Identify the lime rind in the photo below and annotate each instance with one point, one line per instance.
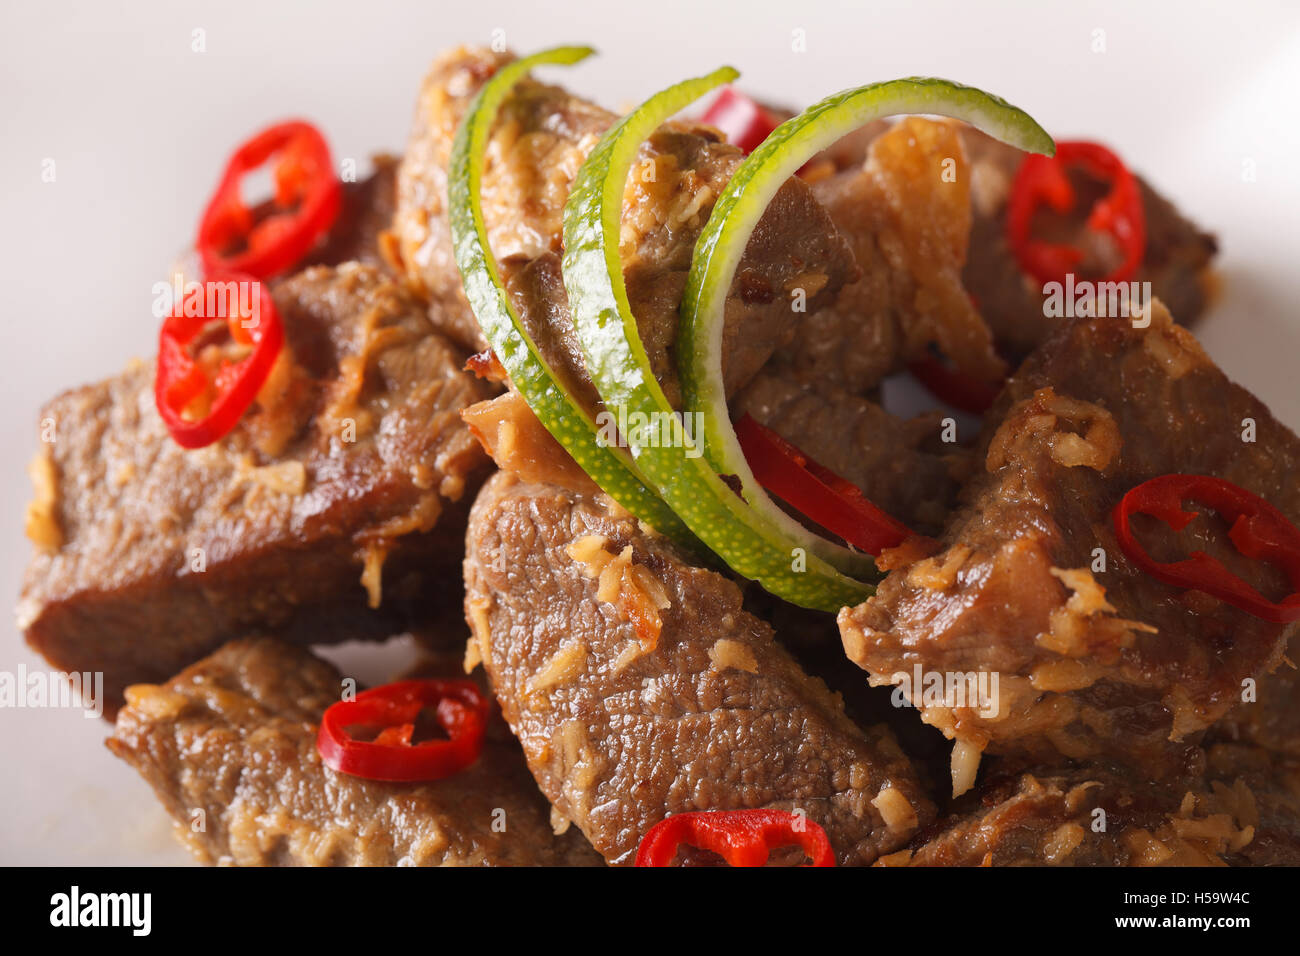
(746, 197)
(557, 408)
(620, 368)
(751, 533)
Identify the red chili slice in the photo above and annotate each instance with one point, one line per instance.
(745, 122)
(741, 837)
(306, 202)
(202, 395)
(815, 491)
(1043, 180)
(1257, 530)
(391, 711)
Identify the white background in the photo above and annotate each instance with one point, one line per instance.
(139, 125)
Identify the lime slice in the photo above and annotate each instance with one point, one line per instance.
(740, 207)
(759, 548)
(554, 405)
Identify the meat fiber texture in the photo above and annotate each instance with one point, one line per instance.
(1095, 657)
(1176, 259)
(334, 510)
(639, 687)
(905, 209)
(1244, 809)
(540, 141)
(229, 747)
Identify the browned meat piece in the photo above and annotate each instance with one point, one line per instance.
(1090, 662)
(1243, 812)
(879, 323)
(814, 640)
(230, 744)
(639, 687)
(343, 492)
(906, 214)
(796, 246)
(1176, 260)
(367, 212)
(894, 462)
(1272, 718)
(544, 175)
(1046, 817)
(1273, 806)
(509, 431)
(539, 144)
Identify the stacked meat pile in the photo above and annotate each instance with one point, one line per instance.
(634, 679)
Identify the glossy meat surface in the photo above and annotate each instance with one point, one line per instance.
(150, 556)
(1095, 657)
(639, 687)
(229, 746)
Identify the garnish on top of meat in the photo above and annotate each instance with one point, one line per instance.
(230, 743)
(1096, 657)
(638, 682)
(537, 146)
(1175, 259)
(333, 512)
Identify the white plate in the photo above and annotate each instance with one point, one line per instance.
(138, 124)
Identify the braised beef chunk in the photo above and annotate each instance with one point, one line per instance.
(1273, 779)
(1268, 714)
(813, 638)
(366, 213)
(539, 143)
(532, 155)
(905, 211)
(334, 510)
(231, 741)
(879, 316)
(639, 687)
(896, 463)
(1175, 261)
(1241, 810)
(1094, 656)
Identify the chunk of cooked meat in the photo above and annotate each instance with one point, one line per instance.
(343, 493)
(547, 162)
(365, 215)
(639, 687)
(229, 747)
(509, 431)
(1242, 811)
(896, 463)
(905, 211)
(1273, 780)
(1094, 656)
(878, 314)
(1176, 259)
(1268, 716)
(539, 143)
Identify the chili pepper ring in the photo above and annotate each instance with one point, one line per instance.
(1257, 530)
(393, 709)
